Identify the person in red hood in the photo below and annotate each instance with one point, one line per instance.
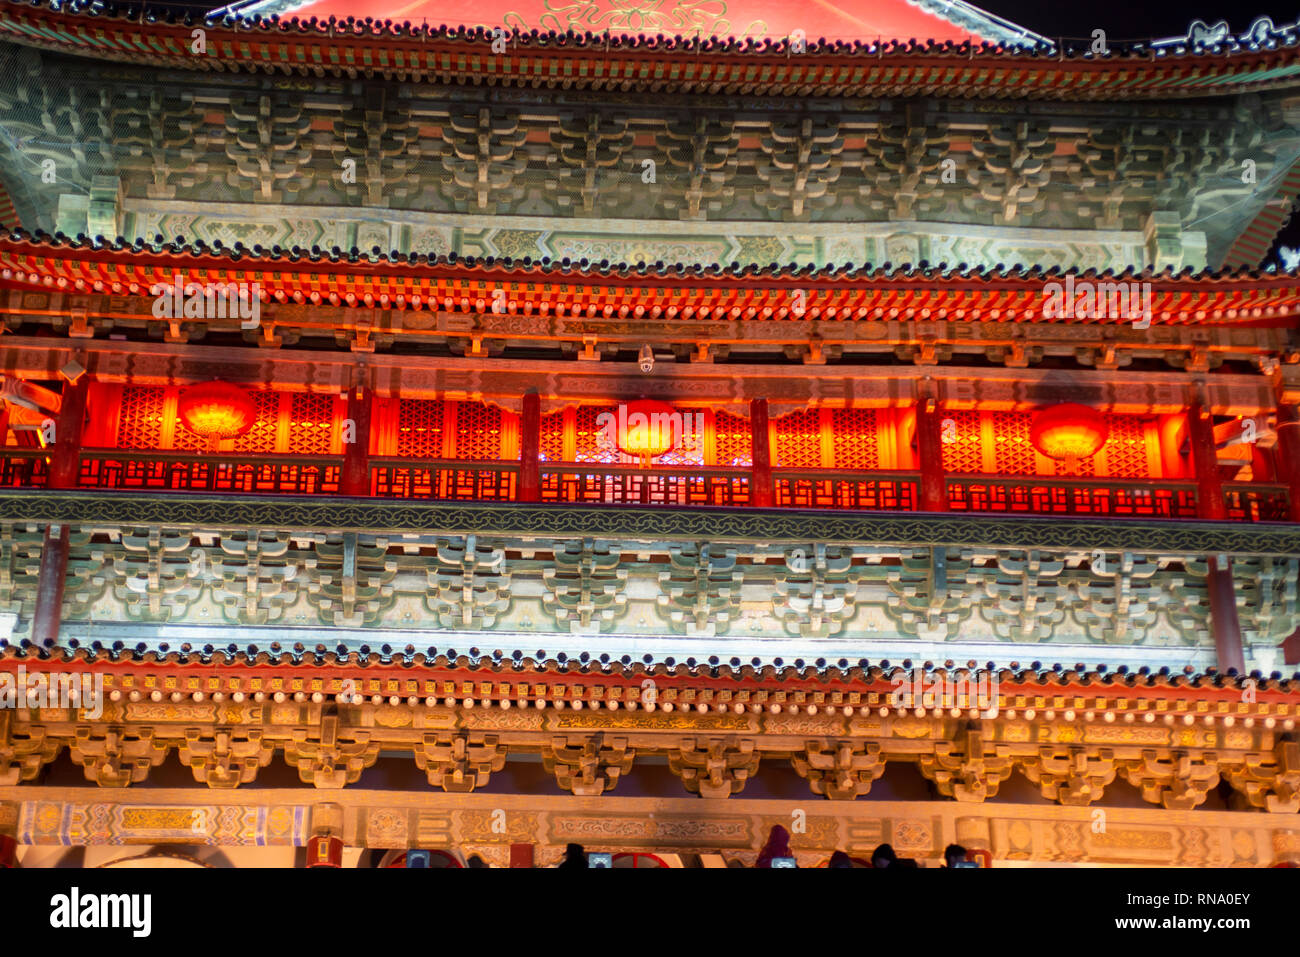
(778, 845)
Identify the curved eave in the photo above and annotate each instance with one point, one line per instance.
(1253, 244)
(467, 285)
(570, 679)
(598, 62)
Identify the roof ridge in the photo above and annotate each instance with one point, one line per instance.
(1119, 52)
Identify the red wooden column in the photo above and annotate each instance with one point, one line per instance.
(1288, 453)
(929, 449)
(530, 448)
(762, 493)
(355, 479)
(1210, 505)
(1205, 463)
(49, 586)
(65, 467)
(1223, 615)
(65, 459)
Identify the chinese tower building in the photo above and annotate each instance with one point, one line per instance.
(476, 428)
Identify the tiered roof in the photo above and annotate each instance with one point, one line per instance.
(451, 283)
(485, 677)
(868, 19)
(867, 67)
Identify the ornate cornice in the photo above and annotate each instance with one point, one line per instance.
(89, 508)
(1071, 736)
(65, 818)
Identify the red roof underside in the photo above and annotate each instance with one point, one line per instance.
(832, 19)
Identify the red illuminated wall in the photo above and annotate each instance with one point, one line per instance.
(299, 423)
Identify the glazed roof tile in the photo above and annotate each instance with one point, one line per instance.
(454, 283)
(408, 663)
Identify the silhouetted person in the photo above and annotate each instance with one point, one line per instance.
(574, 856)
(778, 845)
(475, 861)
(952, 854)
(883, 856)
(840, 859)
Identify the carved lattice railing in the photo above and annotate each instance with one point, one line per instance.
(443, 479)
(688, 486)
(24, 468)
(1063, 496)
(821, 488)
(218, 472)
(630, 485)
(1247, 502)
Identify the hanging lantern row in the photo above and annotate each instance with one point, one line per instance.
(219, 410)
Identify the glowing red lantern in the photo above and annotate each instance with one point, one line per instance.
(1069, 431)
(647, 428)
(217, 410)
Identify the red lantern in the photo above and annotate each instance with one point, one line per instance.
(647, 428)
(1069, 431)
(217, 410)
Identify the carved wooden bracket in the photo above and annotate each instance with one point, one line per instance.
(716, 767)
(588, 766)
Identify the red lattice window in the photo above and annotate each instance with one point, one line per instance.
(962, 450)
(1013, 449)
(420, 428)
(588, 446)
(733, 441)
(311, 423)
(857, 439)
(799, 440)
(1126, 447)
(478, 431)
(261, 437)
(689, 435)
(552, 441)
(140, 422)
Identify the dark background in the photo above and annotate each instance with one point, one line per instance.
(1121, 19)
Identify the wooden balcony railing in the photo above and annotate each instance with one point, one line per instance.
(1248, 502)
(600, 484)
(443, 479)
(630, 485)
(877, 491)
(201, 472)
(24, 468)
(1069, 496)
